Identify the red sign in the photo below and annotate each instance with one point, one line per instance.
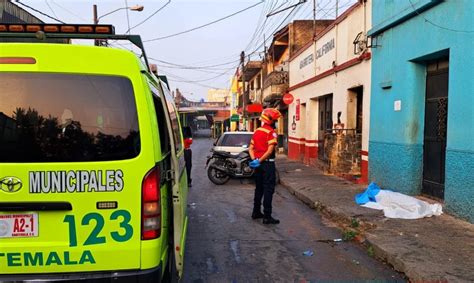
(288, 98)
(297, 114)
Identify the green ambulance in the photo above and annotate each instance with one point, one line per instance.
(93, 183)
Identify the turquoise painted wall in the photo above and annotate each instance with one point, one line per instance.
(406, 39)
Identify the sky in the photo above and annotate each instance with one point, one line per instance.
(203, 58)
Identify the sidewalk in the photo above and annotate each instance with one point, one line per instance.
(436, 248)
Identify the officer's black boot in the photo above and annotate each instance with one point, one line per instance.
(257, 215)
(270, 220)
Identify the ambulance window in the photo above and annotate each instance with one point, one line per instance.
(162, 127)
(46, 117)
(174, 120)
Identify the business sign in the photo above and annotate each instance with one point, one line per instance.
(297, 114)
(323, 50)
(288, 98)
(306, 61)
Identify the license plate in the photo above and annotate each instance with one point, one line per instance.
(19, 225)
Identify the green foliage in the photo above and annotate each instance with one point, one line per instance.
(349, 235)
(354, 223)
(370, 251)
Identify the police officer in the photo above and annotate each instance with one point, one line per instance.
(262, 152)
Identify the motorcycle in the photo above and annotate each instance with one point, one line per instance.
(222, 165)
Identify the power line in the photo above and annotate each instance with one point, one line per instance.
(257, 27)
(275, 30)
(435, 24)
(196, 67)
(49, 6)
(149, 17)
(69, 11)
(38, 11)
(128, 17)
(205, 25)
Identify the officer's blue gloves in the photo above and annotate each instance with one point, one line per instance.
(254, 163)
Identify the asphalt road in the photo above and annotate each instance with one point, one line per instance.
(225, 245)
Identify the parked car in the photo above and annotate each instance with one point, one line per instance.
(233, 142)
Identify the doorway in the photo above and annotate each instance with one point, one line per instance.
(436, 122)
(355, 109)
(325, 122)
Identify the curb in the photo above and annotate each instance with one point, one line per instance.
(343, 223)
(341, 219)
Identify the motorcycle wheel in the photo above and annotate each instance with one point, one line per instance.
(217, 177)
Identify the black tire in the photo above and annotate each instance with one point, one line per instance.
(216, 176)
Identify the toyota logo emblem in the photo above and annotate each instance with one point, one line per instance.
(10, 184)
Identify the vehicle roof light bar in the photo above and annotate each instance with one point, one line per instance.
(69, 31)
(90, 29)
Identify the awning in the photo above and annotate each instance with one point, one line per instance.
(252, 108)
(273, 100)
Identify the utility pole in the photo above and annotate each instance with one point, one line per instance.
(96, 21)
(314, 19)
(242, 61)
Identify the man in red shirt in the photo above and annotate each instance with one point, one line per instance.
(262, 152)
(188, 153)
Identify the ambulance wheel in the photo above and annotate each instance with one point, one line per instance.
(217, 177)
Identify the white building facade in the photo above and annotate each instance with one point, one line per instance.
(330, 81)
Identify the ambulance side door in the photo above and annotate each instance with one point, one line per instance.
(179, 183)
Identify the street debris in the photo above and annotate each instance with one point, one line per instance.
(396, 205)
(308, 253)
(328, 241)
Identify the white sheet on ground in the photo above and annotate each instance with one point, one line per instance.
(397, 205)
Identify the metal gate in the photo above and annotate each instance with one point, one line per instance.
(436, 122)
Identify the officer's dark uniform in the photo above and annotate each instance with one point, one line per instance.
(264, 174)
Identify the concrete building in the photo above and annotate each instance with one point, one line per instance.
(275, 69)
(422, 110)
(328, 121)
(13, 14)
(253, 95)
(218, 95)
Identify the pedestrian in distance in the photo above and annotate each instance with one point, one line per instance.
(188, 153)
(262, 152)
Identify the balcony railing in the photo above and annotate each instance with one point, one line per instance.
(256, 95)
(276, 78)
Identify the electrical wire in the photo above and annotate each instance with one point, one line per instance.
(49, 6)
(197, 67)
(259, 22)
(128, 17)
(69, 11)
(205, 25)
(149, 17)
(435, 24)
(38, 11)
